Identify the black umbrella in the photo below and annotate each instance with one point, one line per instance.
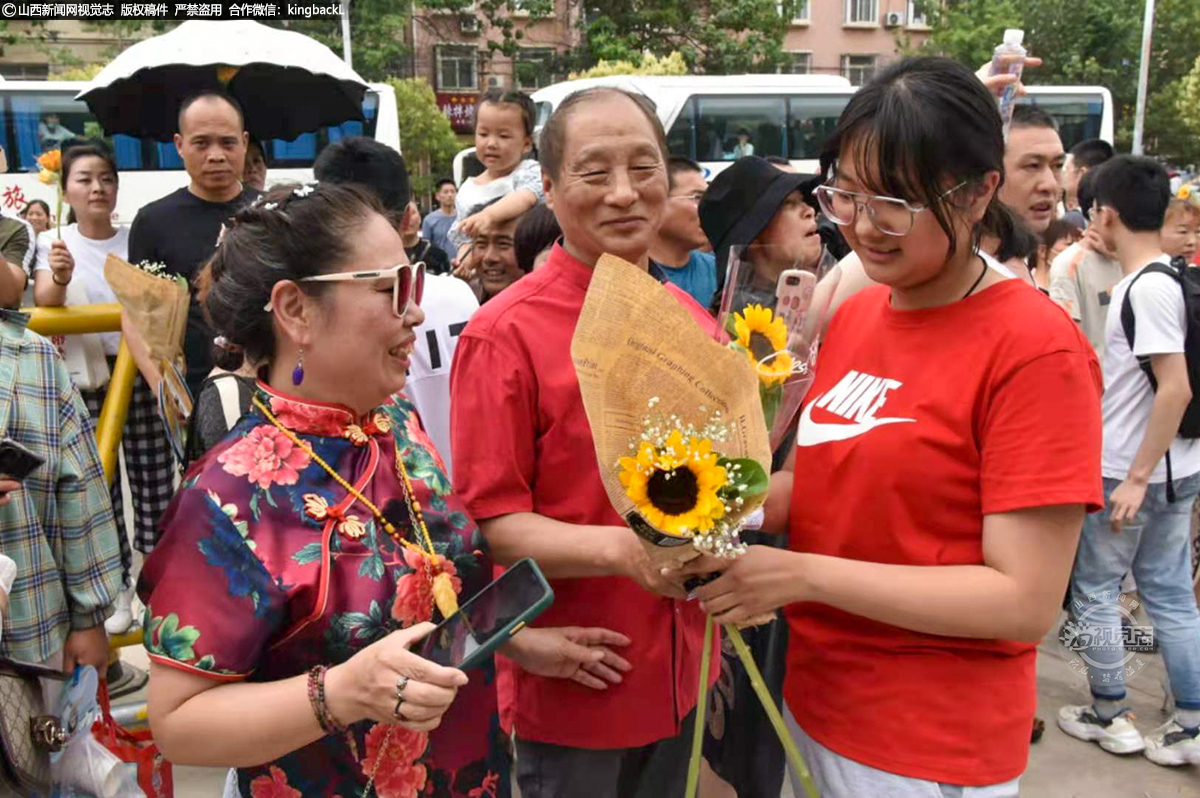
(287, 83)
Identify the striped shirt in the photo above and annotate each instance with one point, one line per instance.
(59, 526)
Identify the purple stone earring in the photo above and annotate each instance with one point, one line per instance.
(298, 372)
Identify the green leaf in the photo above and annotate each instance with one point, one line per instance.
(731, 325)
(174, 641)
(372, 567)
(309, 554)
(206, 663)
(254, 506)
(749, 474)
(771, 399)
(270, 498)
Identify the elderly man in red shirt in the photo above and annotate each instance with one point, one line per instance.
(526, 466)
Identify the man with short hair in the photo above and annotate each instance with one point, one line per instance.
(448, 302)
(681, 241)
(436, 226)
(181, 229)
(494, 254)
(1082, 277)
(1033, 166)
(1085, 155)
(1151, 478)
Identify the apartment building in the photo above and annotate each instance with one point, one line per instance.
(451, 51)
(852, 38)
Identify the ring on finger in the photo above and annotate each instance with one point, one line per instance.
(400, 685)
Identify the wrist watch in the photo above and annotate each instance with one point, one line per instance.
(54, 277)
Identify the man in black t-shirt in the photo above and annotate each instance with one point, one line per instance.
(181, 229)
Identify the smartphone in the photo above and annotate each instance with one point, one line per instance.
(17, 462)
(794, 293)
(468, 637)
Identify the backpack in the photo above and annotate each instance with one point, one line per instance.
(1189, 282)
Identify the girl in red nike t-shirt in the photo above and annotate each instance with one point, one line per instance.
(946, 455)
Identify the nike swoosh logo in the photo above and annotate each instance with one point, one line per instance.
(812, 433)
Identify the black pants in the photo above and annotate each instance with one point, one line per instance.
(149, 463)
(658, 770)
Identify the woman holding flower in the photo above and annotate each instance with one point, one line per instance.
(933, 512)
(70, 271)
(307, 551)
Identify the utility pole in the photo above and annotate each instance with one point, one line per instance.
(1139, 119)
(346, 32)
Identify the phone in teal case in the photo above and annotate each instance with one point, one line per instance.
(485, 622)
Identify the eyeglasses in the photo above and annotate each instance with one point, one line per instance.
(696, 197)
(408, 283)
(890, 215)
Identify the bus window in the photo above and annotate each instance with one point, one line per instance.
(811, 120)
(681, 138)
(722, 121)
(32, 122)
(1078, 115)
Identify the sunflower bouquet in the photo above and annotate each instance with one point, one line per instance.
(774, 310)
(677, 421)
(675, 416)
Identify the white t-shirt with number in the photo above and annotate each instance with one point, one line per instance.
(448, 304)
(1160, 329)
(89, 255)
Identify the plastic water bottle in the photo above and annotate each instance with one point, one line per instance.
(1009, 58)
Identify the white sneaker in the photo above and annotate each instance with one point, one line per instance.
(1118, 736)
(120, 621)
(1172, 744)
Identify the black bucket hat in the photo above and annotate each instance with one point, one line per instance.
(742, 200)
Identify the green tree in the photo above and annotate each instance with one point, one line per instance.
(1187, 100)
(1092, 43)
(672, 64)
(426, 138)
(378, 49)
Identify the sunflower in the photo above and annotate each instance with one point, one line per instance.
(763, 335)
(675, 486)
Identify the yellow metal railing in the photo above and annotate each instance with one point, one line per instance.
(95, 319)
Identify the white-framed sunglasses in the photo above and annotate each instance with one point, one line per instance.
(408, 283)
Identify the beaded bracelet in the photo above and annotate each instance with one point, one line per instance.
(316, 697)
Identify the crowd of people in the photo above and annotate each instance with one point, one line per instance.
(386, 404)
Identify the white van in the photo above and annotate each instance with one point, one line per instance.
(149, 169)
(784, 115)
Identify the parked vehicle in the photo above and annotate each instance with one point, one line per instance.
(784, 115)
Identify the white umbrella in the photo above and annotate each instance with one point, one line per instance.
(287, 83)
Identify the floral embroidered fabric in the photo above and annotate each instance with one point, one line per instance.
(268, 567)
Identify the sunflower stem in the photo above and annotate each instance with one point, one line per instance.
(768, 704)
(693, 776)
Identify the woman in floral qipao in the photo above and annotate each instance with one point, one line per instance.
(296, 568)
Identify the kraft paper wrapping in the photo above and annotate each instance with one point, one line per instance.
(635, 341)
(157, 307)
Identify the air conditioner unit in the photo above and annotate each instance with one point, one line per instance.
(495, 81)
(469, 23)
(893, 19)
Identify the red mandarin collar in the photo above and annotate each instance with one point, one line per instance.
(310, 417)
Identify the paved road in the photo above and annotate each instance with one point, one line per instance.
(1059, 766)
